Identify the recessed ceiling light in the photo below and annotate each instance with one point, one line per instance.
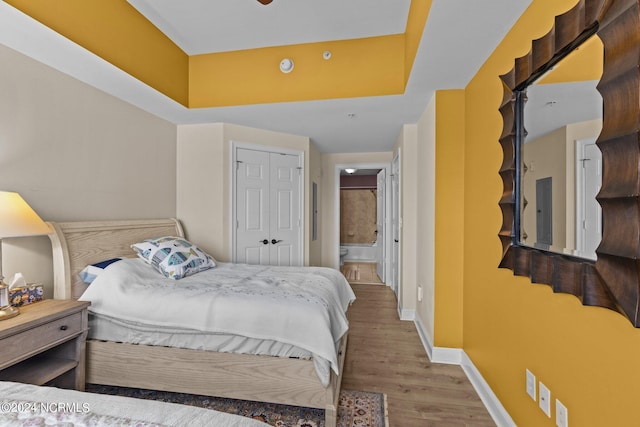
(286, 65)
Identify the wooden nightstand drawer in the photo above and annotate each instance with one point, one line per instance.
(37, 339)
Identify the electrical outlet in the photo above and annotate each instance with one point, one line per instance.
(545, 399)
(562, 415)
(531, 385)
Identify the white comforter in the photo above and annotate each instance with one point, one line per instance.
(301, 306)
(29, 405)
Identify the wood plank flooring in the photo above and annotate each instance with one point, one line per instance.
(386, 355)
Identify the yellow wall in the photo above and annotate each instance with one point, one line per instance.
(449, 214)
(116, 32)
(359, 67)
(587, 356)
(418, 14)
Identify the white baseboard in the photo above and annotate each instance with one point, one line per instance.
(406, 314)
(450, 356)
(426, 341)
(457, 356)
(490, 400)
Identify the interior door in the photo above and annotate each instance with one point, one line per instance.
(252, 207)
(268, 208)
(285, 213)
(380, 225)
(589, 212)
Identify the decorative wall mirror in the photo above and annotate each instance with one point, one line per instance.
(609, 278)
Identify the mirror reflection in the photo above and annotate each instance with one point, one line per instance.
(561, 164)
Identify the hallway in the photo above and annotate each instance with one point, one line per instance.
(386, 355)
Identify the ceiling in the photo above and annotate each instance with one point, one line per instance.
(458, 37)
(552, 106)
(206, 26)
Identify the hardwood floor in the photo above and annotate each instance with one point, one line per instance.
(386, 355)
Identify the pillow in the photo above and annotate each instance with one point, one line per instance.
(174, 257)
(90, 272)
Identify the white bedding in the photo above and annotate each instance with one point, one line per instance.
(29, 405)
(107, 329)
(302, 306)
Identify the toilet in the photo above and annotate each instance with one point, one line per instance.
(343, 253)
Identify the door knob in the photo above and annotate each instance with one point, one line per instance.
(274, 241)
(264, 242)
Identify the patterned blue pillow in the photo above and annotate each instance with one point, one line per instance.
(174, 257)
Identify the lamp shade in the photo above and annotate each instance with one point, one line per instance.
(17, 219)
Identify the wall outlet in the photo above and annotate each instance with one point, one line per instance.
(531, 385)
(562, 415)
(545, 399)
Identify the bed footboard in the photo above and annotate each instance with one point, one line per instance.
(237, 376)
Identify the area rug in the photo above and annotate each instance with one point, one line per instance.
(355, 408)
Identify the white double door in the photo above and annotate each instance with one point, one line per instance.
(268, 208)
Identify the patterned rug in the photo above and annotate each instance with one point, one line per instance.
(355, 408)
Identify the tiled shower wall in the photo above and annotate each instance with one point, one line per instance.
(358, 216)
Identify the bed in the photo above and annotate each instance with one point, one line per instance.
(284, 380)
(26, 404)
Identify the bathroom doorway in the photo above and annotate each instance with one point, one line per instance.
(362, 216)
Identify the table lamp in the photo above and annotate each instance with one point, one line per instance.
(17, 219)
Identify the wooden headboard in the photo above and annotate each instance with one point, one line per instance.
(78, 244)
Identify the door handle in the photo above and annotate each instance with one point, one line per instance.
(274, 241)
(396, 240)
(264, 242)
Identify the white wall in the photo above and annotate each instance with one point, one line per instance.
(76, 153)
(426, 176)
(408, 144)
(204, 180)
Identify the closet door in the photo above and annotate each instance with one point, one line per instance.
(285, 209)
(252, 207)
(268, 212)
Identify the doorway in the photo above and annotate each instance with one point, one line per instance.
(362, 221)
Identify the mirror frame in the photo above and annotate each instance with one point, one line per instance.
(613, 280)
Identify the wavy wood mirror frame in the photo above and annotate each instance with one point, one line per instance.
(613, 281)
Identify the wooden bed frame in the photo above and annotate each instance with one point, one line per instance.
(239, 376)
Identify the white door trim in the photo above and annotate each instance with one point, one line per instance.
(336, 211)
(235, 145)
(580, 195)
(395, 198)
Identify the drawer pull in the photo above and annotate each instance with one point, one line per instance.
(63, 327)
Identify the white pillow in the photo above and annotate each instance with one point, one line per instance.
(174, 257)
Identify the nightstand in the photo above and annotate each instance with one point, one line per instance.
(45, 344)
